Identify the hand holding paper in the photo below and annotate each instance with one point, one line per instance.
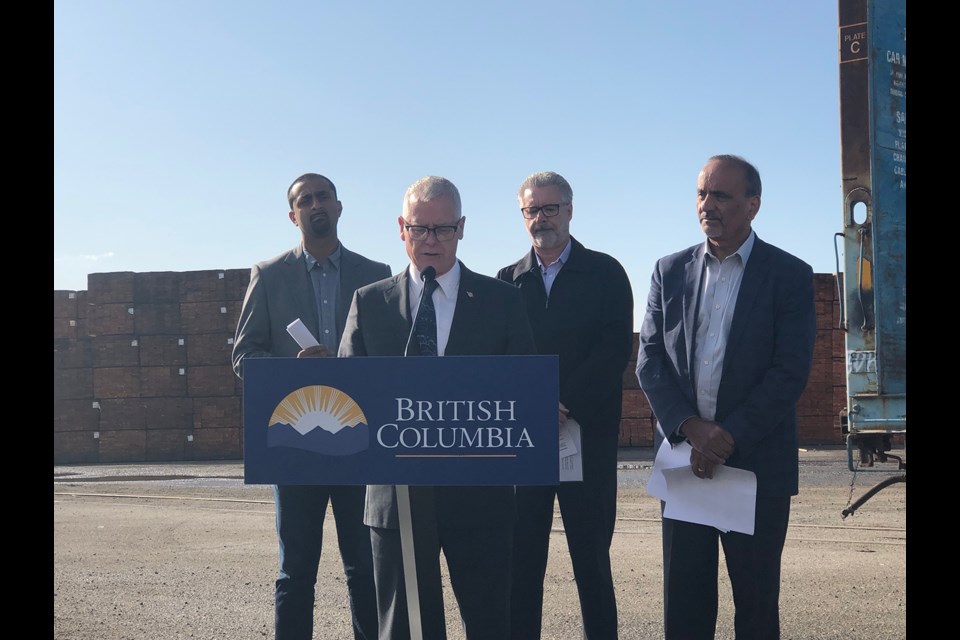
(709, 438)
(299, 332)
(727, 501)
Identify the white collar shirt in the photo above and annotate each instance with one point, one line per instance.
(718, 300)
(550, 271)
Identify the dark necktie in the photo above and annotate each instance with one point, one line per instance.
(425, 330)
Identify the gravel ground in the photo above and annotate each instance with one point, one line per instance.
(186, 550)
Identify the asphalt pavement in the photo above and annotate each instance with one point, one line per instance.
(187, 550)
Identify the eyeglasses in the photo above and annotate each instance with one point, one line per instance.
(549, 210)
(442, 232)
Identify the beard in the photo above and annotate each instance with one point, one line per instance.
(320, 226)
(545, 238)
(713, 230)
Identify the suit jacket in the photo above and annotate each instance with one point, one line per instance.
(280, 291)
(488, 320)
(588, 322)
(765, 365)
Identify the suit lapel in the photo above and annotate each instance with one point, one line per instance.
(350, 281)
(397, 298)
(304, 300)
(750, 285)
(466, 309)
(693, 272)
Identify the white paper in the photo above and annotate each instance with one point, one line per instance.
(568, 444)
(667, 458)
(299, 332)
(571, 460)
(727, 501)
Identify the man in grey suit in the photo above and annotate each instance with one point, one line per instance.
(725, 351)
(314, 282)
(475, 315)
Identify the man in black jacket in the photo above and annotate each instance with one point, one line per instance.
(580, 306)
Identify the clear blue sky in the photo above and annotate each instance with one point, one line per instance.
(178, 125)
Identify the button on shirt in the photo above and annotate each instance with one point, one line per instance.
(718, 298)
(550, 271)
(325, 276)
(444, 300)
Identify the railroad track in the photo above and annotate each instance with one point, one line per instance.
(626, 525)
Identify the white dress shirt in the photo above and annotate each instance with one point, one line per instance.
(718, 300)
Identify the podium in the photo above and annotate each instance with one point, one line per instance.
(410, 422)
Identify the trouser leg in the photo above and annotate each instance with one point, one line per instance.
(753, 563)
(388, 574)
(479, 563)
(690, 557)
(300, 513)
(353, 538)
(531, 544)
(589, 511)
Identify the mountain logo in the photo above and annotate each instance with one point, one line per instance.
(319, 419)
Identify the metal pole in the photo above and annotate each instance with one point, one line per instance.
(409, 561)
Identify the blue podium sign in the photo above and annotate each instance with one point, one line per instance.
(453, 420)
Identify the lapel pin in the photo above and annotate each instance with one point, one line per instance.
(469, 294)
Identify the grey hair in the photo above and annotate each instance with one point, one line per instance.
(548, 179)
(304, 178)
(431, 188)
(750, 174)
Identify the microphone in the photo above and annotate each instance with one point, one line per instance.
(426, 275)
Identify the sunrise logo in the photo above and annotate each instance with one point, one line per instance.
(319, 419)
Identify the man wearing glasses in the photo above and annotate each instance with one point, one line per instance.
(580, 306)
(314, 282)
(474, 315)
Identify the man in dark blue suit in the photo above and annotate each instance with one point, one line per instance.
(725, 351)
(314, 282)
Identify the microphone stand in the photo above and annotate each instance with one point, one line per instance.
(422, 503)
